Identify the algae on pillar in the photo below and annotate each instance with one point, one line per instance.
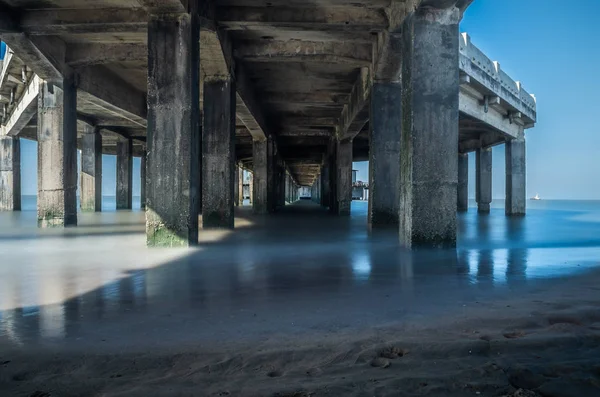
(173, 143)
(483, 177)
(385, 128)
(515, 177)
(429, 145)
(91, 170)
(57, 154)
(10, 173)
(218, 154)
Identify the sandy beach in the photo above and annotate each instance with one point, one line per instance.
(542, 342)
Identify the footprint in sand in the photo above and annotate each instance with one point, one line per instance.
(274, 374)
(514, 334)
(392, 353)
(380, 362)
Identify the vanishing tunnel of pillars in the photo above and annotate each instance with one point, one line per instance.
(418, 180)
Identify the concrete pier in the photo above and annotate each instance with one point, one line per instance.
(57, 154)
(429, 148)
(239, 197)
(10, 174)
(384, 154)
(143, 180)
(124, 174)
(260, 189)
(173, 130)
(344, 176)
(462, 196)
(218, 154)
(324, 177)
(515, 177)
(90, 198)
(483, 180)
(251, 188)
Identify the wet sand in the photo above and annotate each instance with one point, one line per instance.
(301, 304)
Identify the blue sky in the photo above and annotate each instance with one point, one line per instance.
(553, 50)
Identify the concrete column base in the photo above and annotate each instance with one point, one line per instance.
(10, 174)
(57, 155)
(90, 198)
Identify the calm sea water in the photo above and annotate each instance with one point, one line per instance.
(109, 203)
(300, 269)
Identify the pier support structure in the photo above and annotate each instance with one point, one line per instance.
(263, 197)
(90, 198)
(515, 177)
(385, 128)
(429, 148)
(483, 184)
(124, 174)
(218, 154)
(344, 176)
(143, 180)
(10, 174)
(173, 130)
(57, 154)
(462, 194)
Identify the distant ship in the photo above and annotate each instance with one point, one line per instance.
(536, 197)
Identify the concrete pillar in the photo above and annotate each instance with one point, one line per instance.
(251, 187)
(124, 174)
(384, 154)
(236, 187)
(143, 180)
(515, 177)
(344, 176)
(429, 146)
(325, 191)
(483, 180)
(10, 174)
(240, 196)
(57, 155)
(462, 194)
(90, 197)
(173, 163)
(333, 194)
(260, 191)
(218, 154)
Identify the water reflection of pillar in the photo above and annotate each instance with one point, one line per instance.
(485, 268)
(516, 270)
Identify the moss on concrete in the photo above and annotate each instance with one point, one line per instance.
(162, 236)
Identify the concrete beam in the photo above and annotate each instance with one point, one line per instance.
(349, 54)
(62, 21)
(312, 18)
(165, 6)
(25, 109)
(80, 55)
(356, 113)
(44, 55)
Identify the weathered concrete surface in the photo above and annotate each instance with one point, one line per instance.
(251, 188)
(240, 183)
(173, 131)
(90, 198)
(218, 154)
(462, 197)
(325, 180)
(483, 180)
(143, 180)
(333, 174)
(344, 176)
(260, 188)
(515, 177)
(124, 174)
(10, 174)
(429, 148)
(384, 154)
(57, 155)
